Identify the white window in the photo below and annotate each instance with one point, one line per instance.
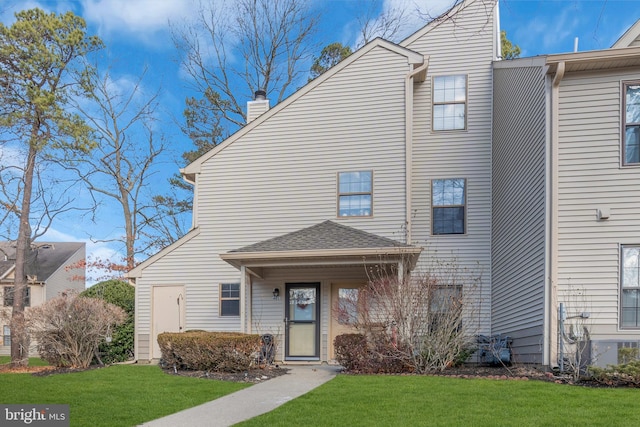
(448, 199)
(355, 193)
(6, 335)
(630, 287)
(631, 124)
(8, 296)
(230, 299)
(450, 102)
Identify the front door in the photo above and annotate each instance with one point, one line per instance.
(302, 321)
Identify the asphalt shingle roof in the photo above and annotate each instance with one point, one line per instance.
(324, 236)
(44, 260)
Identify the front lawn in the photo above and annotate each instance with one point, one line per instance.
(119, 395)
(444, 401)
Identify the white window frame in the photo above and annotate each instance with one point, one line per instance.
(628, 125)
(448, 98)
(630, 282)
(223, 297)
(344, 195)
(435, 206)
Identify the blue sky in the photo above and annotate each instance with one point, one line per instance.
(137, 35)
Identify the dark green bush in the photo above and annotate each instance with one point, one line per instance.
(209, 351)
(376, 355)
(121, 294)
(625, 375)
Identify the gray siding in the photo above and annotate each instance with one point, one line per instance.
(64, 278)
(519, 208)
(457, 48)
(590, 177)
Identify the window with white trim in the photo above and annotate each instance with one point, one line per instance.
(230, 299)
(8, 296)
(6, 335)
(448, 205)
(355, 193)
(630, 287)
(631, 123)
(449, 102)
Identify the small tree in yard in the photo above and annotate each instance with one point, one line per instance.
(421, 323)
(122, 294)
(69, 328)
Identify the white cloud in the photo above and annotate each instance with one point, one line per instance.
(142, 18)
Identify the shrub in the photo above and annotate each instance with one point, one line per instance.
(121, 294)
(373, 355)
(627, 374)
(422, 322)
(69, 329)
(209, 351)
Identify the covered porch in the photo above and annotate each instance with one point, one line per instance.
(290, 285)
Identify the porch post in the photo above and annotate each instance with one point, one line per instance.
(243, 295)
(400, 271)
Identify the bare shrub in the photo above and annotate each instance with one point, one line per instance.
(424, 321)
(70, 328)
(574, 330)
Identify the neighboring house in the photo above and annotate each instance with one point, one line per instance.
(566, 210)
(51, 269)
(525, 170)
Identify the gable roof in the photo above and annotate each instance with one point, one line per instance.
(44, 259)
(324, 243)
(326, 235)
(413, 58)
(629, 37)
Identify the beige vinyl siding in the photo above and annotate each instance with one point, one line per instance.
(457, 49)
(282, 176)
(519, 207)
(590, 177)
(268, 314)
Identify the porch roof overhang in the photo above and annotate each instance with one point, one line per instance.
(323, 245)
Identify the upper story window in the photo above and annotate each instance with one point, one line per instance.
(450, 102)
(448, 199)
(355, 193)
(631, 124)
(630, 287)
(230, 299)
(8, 296)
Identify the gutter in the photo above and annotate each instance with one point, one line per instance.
(418, 75)
(551, 314)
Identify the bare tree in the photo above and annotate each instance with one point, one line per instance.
(122, 166)
(234, 48)
(40, 65)
(388, 24)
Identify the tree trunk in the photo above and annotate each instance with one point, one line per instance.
(19, 334)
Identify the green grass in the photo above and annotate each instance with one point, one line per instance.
(33, 361)
(120, 395)
(441, 401)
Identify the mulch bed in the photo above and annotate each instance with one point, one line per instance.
(252, 376)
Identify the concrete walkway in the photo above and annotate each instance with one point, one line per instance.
(251, 401)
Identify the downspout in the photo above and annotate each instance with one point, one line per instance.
(408, 141)
(551, 350)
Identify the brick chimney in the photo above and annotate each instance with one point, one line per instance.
(259, 105)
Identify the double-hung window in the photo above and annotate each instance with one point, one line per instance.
(448, 199)
(630, 287)
(631, 124)
(449, 102)
(230, 299)
(8, 296)
(6, 335)
(355, 193)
